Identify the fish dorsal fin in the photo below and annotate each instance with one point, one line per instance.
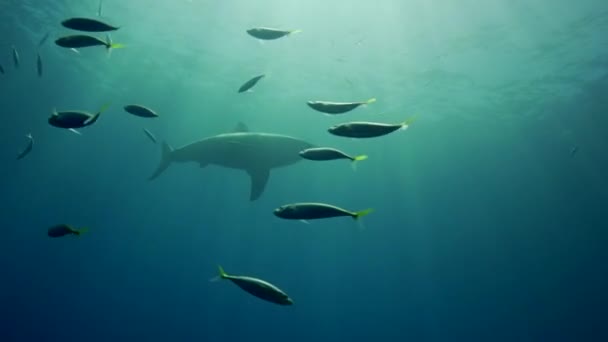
(259, 178)
(240, 128)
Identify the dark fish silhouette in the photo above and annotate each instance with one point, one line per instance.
(82, 41)
(150, 135)
(250, 84)
(74, 119)
(266, 33)
(39, 66)
(337, 107)
(88, 25)
(15, 57)
(28, 147)
(44, 39)
(259, 288)
(1, 70)
(139, 110)
(366, 129)
(63, 230)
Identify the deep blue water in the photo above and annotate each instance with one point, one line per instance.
(486, 226)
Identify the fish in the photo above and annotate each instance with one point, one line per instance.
(74, 119)
(1, 70)
(150, 135)
(61, 230)
(15, 57)
(249, 84)
(328, 153)
(82, 41)
(28, 147)
(39, 66)
(253, 152)
(139, 110)
(313, 211)
(363, 129)
(337, 107)
(257, 287)
(88, 25)
(44, 39)
(266, 33)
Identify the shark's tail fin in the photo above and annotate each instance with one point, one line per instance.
(165, 160)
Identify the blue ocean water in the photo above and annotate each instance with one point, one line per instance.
(490, 209)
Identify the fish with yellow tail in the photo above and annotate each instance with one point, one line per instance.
(367, 129)
(62, 230)
(328, 153)
(314, 211)
(328, 107)
(257, 287)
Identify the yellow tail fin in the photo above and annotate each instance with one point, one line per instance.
(370, 101)
(294, 31)
(221, 271)
(362, 213)
(81, 231)
(360, 158)
(117, 46)
(408, 121)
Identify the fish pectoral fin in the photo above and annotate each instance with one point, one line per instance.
(259, 178)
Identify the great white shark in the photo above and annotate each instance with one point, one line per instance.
(253, 152)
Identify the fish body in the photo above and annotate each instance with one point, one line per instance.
(328, 153)
(255, 153)
(74, 119)
(150, 135)
(44, 39)
(39, 66)
(16, 59)
(81, 41)
(139, 110)
(259, 288)
(88, 25)
(363, 129)
(312, 211)
(63, 230)
(337, 107)
(266, 33)
(250, 84)
(28, 148)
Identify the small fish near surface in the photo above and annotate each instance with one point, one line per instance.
(250, 84)
(74, 119)
(16, 60)
(257, 287)
(82, 41)
(367, 129)
(141, 111)
(328, 107)
(328, 153)
(39, 65)
(266, 33)
(28, 148)
(313, 211)
(150, 135)
(44, 39)
(88, 25)
(62, 230)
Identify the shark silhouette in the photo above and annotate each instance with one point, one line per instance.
(254, 153)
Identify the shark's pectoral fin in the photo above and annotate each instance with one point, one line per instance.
(259, 178)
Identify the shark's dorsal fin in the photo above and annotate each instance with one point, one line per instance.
(240, 128)
(259, 178)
